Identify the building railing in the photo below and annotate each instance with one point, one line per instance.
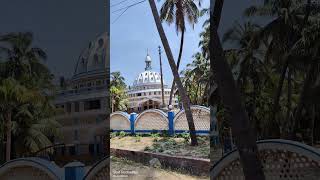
(79, 91)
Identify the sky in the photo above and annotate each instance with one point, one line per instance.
(63, 28)
(135, 32)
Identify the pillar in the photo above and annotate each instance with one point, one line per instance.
(171, 123)
(132, 120)
(74, 171)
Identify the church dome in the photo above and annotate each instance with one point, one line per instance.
(148, 58)
(148, 76)
(93, 58)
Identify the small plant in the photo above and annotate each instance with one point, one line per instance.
(113, 135)
(165, 133)
(155, 135)
(147, 148)
(185, 136)
(122, 134)
(138, 137)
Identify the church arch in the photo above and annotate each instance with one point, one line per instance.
(201, 117)
(152, 119)
(30, 168)
(119, 121)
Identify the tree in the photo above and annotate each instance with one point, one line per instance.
(195, 79)
(183, 94)
(177, 11)
(12, 96)
(119, 101)
(290, 18)
(25, 99)
(117, 80)
(230, 95)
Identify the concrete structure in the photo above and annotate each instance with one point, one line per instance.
(83, 100)
(156, 120)
(145, 93)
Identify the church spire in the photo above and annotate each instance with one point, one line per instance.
(148, 61)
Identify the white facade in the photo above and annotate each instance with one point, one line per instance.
(83, 100)
(145, 93)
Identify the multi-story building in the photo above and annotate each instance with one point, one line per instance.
(83, 100)
(145, 93)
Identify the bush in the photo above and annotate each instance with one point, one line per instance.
(122, 134)
(155, 135)
(185, 136)
(138, 137)
(113, 135)
(165, 133)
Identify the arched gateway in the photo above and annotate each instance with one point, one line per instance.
(30, 169)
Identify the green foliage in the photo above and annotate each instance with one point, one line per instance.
(113, 135)
(25, 88)
(122, 134)
(185, 136)
(138, 137)
(119, 101)
(155, 135)
(275, 68)
(196, 79)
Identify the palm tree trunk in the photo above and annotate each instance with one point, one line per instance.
(313, 114)
(288, 102)
(178, 64)
(205, 92)
(230, 95)
(277, 98)
(161, 75)
(184, 98)
(8, 134)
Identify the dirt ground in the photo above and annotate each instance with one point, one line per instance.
(123, 169)
(170, 146)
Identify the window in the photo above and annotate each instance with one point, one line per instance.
(72, 150)
(93, 104)
(149, 93)
(139, 94)
(99, 119)
(89, 84)
(98, 83)
(155, 93)
(76, 107)
(75, 121)
(76, 135)
(63, 149)
(144, 94)
(91, 149)
(68, 107)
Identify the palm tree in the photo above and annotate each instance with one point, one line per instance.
(24, 61)
(183, 94)
(12, 95)
(34, 132)
(196, 79)
(161, 77)
(230, 95)
(177, 11)
(289, 20)
(117, 79)
(117, 92)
